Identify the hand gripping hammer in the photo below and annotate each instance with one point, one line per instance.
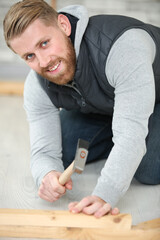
(79, 162)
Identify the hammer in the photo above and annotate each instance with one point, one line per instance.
(79, 162)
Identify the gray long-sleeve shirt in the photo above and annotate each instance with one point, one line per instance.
(129, 71)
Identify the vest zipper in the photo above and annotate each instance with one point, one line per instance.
(73, 87)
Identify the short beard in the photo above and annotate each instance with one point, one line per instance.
(70, 63)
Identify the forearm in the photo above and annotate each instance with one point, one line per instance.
(117, 174)
(45, 130)
(46, 152)
(129, 70)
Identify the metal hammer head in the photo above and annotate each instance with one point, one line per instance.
(81, 155)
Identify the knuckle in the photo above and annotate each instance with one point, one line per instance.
(87, 211)
(40, 193)
(55, 198)
(43, 181)
(106, 207)
(86, 201)
(56, 195)
(42, 188)
(50, 200)
(55, 188)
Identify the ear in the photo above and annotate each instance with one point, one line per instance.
(64, 24)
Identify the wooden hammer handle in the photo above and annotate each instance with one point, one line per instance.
(65, 176)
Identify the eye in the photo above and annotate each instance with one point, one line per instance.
(29, 56)
(44, 43)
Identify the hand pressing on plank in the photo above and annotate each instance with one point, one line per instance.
(92, 205)
(50, 188)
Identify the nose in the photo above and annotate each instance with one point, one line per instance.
(43, 60)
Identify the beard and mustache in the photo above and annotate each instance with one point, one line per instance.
(69, 63)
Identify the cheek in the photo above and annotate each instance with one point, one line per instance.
(60, 47)
(34, 65)
(57, 51)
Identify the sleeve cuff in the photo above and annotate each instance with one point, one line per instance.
(108, 192)
(46, 165)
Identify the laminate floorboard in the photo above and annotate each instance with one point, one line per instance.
(17, 189)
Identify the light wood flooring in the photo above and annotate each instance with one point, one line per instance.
(17, 189)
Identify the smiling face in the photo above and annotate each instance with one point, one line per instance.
(48, 50)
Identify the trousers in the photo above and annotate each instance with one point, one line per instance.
(97, 129)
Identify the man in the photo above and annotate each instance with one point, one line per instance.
(104, 73)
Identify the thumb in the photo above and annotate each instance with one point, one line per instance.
(69, 184)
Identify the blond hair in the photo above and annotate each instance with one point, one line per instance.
(23, 13)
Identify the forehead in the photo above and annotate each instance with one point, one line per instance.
(38, 26)
(33, 33)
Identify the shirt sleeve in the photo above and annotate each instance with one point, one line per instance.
(44, 128)
(129, 71)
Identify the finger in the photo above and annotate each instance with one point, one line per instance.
(57, 187)
(106, 208)
(47, 196)
(68, 185)
(92, 208)
(82, 204)
(115, 211)
(45, 193)
(72, 205)
(51, 183)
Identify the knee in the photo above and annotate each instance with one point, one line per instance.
(147, 179)
(67, 156)
(68, 152)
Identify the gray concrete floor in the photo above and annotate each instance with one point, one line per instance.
(17, 189)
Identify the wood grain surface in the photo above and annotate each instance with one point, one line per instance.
(65, 225)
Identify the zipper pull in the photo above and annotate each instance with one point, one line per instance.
(83, 102)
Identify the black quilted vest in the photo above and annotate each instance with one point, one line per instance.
(91, 92)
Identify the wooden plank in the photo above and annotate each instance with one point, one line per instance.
(65, 225)
(41, 218)
(153, 224)
(77, 233)
(11, 87)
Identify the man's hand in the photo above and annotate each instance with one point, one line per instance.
(92, 205)
(50, 188)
